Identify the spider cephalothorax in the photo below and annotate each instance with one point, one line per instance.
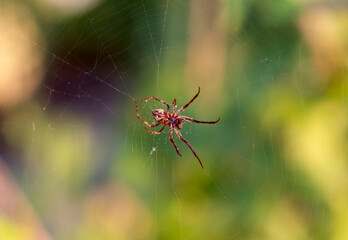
(173, 120)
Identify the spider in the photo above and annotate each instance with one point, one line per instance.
(173, 120)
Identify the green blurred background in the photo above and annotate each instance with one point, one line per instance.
(76, 163)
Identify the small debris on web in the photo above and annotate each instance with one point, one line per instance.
(51, 126)
(153, 150)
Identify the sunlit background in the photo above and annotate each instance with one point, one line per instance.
(76, 162)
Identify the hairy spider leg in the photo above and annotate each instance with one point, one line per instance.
(147, 124)
(184, 140)
(197, 121)
(174, 107)
(172, 141)
(159, 132)
(184, 107)
(163, 102)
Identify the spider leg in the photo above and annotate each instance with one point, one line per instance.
(184, 107)
(147, 124)
(175, 105)
(155, 125)
(172, 141)
(197, 121)
(161, 101)
(184, 140)
(161, 130)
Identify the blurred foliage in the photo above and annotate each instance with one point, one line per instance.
(275, 165)
(10, 230)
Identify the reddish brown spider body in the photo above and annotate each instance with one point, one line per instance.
(173, 120)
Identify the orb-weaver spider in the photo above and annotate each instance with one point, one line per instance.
(173, 120)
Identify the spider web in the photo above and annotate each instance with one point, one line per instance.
(86, 165)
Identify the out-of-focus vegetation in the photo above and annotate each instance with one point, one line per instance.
(76, 163)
